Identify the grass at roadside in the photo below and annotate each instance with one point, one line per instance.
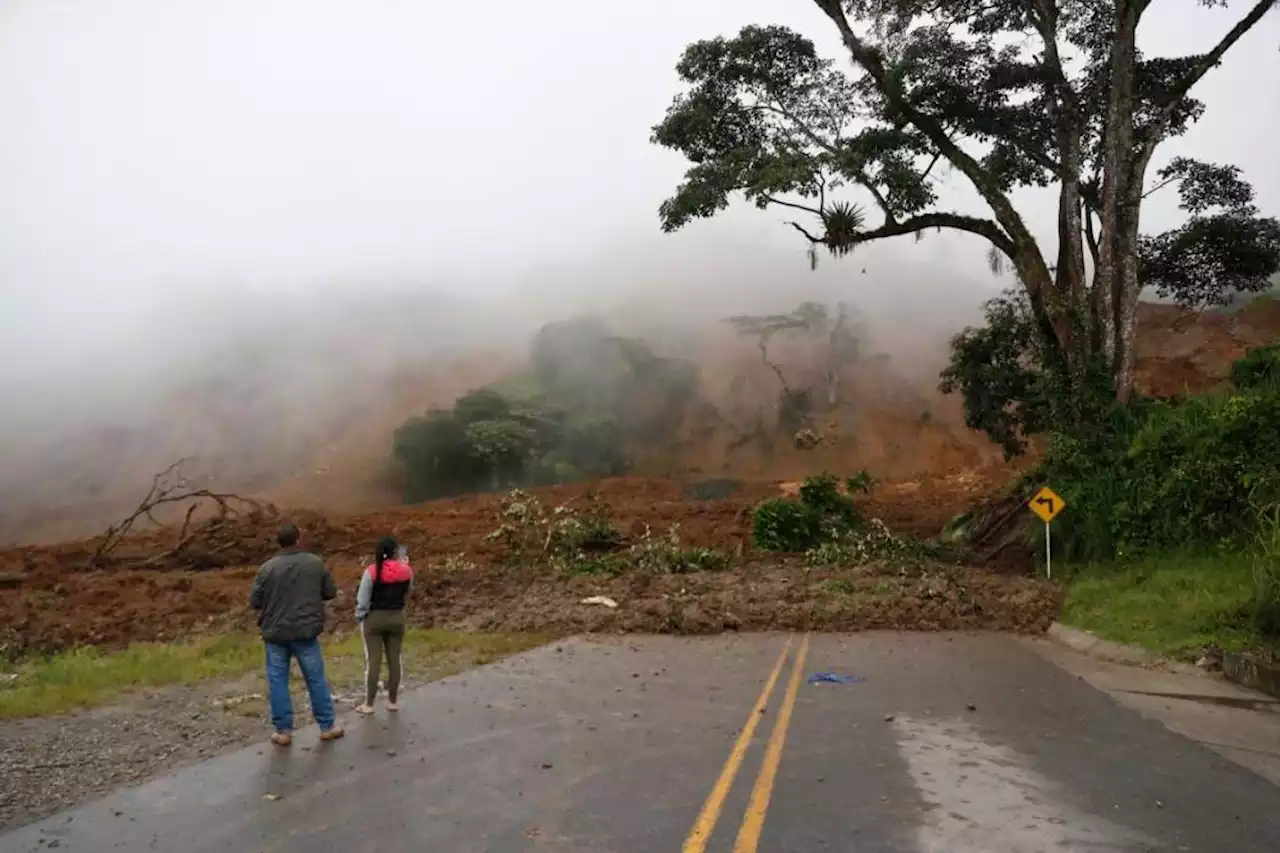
(430, 653)
(88, 677)
(1173, 605)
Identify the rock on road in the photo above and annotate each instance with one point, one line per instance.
(949, 744)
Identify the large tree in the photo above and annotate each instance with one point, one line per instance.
(1008, 94)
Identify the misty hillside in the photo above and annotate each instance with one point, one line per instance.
(307, 419)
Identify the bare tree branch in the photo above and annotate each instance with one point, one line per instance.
(780, 202)
(169, 487)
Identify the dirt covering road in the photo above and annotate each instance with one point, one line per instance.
(55, 602)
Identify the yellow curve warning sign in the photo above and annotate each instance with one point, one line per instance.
(1047, 504)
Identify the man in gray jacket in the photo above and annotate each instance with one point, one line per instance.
(289, 594)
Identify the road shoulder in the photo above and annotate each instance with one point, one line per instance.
(1240, 724)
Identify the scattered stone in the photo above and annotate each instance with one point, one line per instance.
(889, 718)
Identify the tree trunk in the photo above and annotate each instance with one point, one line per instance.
(1113, 245)
(1126, 285)
(1113, 305)
(1047, 309)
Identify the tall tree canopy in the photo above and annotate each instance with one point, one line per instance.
(1008, 93)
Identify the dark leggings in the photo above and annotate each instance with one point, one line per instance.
(382, 629)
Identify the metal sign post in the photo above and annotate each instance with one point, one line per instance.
(1046, 505)
(1048, 554)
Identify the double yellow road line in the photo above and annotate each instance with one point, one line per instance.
(753, 821)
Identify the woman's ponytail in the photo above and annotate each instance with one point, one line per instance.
(386, 551)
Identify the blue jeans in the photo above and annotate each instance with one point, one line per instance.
(311, 662)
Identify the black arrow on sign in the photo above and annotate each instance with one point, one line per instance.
(1048, 502)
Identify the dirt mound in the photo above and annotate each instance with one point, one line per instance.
(1183, 353)
(146, 592)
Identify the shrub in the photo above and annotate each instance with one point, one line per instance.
(588, 529)
(1168, 474)
(665, 555)
(873, 542)
(1259, 369)
(522, 526)
(781, 524)
(819, 514)
(860, 482)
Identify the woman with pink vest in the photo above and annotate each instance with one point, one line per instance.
(380, 602)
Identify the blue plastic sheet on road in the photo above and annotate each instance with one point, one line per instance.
(832, 678)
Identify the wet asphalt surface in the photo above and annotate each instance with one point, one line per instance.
(951, 744)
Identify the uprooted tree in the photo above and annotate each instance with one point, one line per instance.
(172, 488)
(1009, 94)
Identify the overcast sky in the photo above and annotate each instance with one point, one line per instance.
(157, 151)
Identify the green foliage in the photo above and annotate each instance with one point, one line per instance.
(589, 395)
(88, 677)
(588, 528)
(819, 514)
(1174, 604)
(1000, 371)
(1178, 602)
(1006, 99)
(1259, 369)
(436, 457)
(499, 441)
(482, 443)
(860, 482)
(995, 369)
(782, 524)
(522, 527)
(583, 539)
(869, 543)
(664, 554)
(1225, 249)
(1168, 474)
(1264, 602)
(835, 511)
(482, 404)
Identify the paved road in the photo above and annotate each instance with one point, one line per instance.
(952, 744)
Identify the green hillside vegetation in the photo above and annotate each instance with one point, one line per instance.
(587, 396)
(1174, 517)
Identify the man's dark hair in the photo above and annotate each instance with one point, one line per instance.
(287, 535)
